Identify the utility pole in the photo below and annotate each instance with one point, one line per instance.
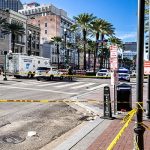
(5, 78)
(148, 96)
(139, 129)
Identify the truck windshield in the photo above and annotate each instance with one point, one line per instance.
(42, 68)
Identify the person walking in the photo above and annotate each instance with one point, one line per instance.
(70, 73)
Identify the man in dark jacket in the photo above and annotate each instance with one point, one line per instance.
(70, 72)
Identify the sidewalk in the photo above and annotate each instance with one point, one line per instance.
(126, 141)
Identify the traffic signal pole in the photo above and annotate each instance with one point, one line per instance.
(139, 129)
(148, 96)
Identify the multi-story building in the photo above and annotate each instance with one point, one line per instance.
(130, 46)
(33, 40)
(25, 43)
(4, 42)
(52, 22)
(20, 41)
(11, 4)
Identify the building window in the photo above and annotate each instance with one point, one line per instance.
(45, 31)
(45, 24)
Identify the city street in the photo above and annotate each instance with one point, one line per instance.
(48, 120)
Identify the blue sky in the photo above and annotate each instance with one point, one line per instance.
(121, 13)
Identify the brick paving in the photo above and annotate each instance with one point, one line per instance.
(126, 140)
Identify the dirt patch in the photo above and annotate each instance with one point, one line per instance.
(49, 123)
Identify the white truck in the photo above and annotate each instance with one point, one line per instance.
(25, 66)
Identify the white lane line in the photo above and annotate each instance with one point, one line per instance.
(42, 90)
(80, 86)
(43, 84)
(26, 83)
(69, 84)
(96, 87)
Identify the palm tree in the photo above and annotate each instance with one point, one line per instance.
(116, 41)
(2, 21)
(83, 20)
(100, 27)
(91, 50)
(75, 29)
(15, 29)
(57, 40)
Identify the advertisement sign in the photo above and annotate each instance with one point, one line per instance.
(147, 67)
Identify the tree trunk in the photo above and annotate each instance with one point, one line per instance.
(96, 50)
(58, 55)
(13, 43)
(102, 53)
(84, 39)
(89, 53)
(78, 59)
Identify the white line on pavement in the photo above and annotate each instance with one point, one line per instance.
(80, 86)
(43, 84)
(42, 90)
(96, 87)
(70, 84)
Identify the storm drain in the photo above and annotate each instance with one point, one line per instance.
(13, 139)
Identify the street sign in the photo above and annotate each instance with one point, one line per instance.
(147, 67)
(113, 57)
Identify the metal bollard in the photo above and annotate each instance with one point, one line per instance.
(107, 113)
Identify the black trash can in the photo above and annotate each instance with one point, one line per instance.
(124, 97)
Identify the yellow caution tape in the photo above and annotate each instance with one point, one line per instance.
(67, 101)
(51, 101)
(63, 75)
(113, 143)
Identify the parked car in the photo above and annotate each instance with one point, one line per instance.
(48, 73)
(103, 72)
(123, 74)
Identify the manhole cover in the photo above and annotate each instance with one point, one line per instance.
(13, 139)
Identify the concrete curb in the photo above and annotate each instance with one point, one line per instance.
(74, 139)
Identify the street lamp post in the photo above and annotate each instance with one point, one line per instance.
(139, 129)
(148, 96)
(5, 78)
(66, 51)
(30, 43)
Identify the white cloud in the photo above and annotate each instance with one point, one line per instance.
(127, 36)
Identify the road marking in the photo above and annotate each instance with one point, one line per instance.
(69, 84)
(80, 86)
(27, 83)
(42, 90)
(96, 87)
(49, 84)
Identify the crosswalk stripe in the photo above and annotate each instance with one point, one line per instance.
(83, 85)
(27, 83)
(43, 84)
(69, 84)
(96, 87)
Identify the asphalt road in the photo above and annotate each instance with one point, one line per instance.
(47, 120)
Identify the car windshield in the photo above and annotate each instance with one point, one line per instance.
(123, 71)
(103, 70)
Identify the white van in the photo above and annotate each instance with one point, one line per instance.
(25, 66)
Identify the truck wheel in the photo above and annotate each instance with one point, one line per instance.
(51, 78)
(61, 77)
(29, 75)
(38, 79)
